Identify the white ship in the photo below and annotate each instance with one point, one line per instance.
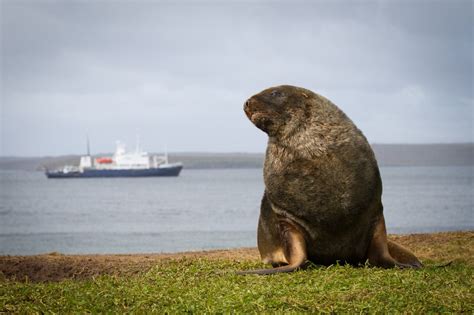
(121, 164)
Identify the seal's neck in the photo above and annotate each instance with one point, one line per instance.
(313, 141)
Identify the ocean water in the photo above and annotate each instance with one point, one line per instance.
(200, 209)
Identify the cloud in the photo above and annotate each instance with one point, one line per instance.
(179, 72)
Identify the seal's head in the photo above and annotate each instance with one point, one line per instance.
(278, 111)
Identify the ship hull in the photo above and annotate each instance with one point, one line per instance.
(93, 173)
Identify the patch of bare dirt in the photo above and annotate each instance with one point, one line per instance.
(57, 267)
(440, 247)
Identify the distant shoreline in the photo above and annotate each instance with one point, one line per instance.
(456, 154)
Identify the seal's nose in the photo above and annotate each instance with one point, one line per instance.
(247, 103)
(247, 106)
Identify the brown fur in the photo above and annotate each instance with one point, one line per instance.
(322, 199)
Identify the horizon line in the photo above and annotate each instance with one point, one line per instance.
(238, 152)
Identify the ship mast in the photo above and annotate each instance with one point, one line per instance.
(86, 161)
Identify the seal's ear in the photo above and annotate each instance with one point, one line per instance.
(306, 96)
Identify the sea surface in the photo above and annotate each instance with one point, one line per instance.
(200, 209)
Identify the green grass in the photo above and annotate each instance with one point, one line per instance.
(210, 286)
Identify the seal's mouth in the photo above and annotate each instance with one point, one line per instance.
(258, 115)
(254, 117)
(261, 120)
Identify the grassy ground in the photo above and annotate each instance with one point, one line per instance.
(205, 282)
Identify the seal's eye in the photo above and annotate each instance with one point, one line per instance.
(276, 93)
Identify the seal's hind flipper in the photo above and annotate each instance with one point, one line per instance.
(282, 269)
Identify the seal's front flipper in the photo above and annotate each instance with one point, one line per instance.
(387, 254)
(403, 255)
(294, 248)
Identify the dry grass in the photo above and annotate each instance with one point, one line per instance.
(437, 247)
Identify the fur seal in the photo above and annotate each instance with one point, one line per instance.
(322, 200)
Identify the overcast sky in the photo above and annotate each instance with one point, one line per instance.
(178, 74)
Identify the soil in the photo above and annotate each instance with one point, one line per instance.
(439, 247)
